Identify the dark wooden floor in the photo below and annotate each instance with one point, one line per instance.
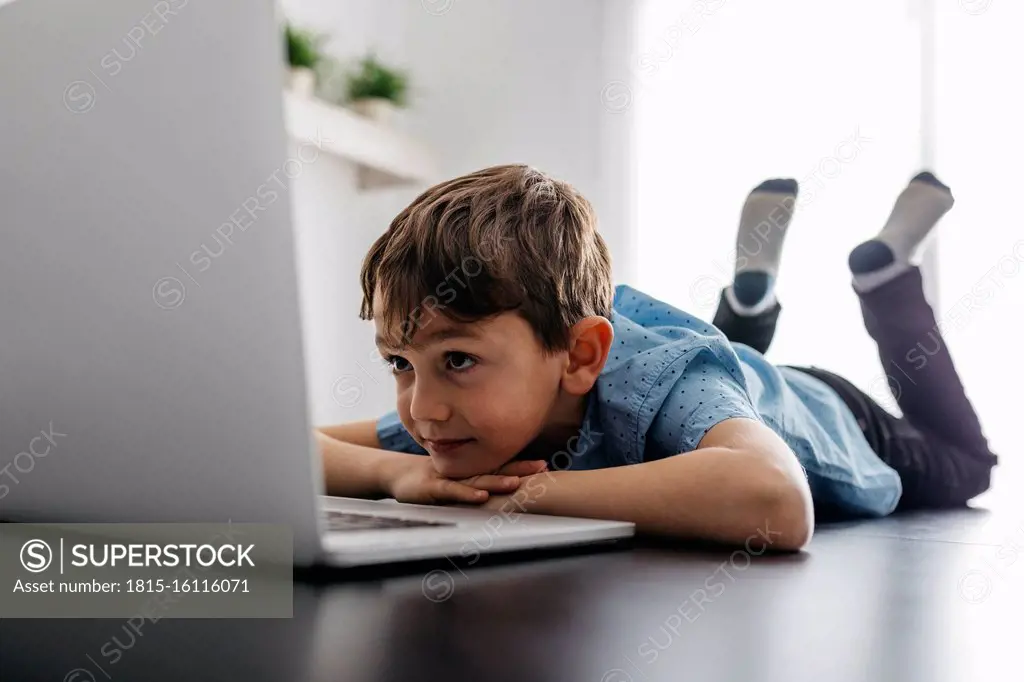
(933, 597)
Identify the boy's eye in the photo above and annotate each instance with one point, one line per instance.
(398, 363)
(460, 361)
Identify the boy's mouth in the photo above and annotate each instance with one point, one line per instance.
(446, 445)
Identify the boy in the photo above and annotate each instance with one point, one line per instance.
(533, 386)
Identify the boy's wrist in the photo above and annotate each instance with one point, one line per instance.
(387, 468)
(357, 470)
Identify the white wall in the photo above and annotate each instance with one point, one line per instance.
(732, 93)
(494, 82)
(981, 250)
(749, 90)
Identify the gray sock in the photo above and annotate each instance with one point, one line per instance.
(763, 222)
(917, 210)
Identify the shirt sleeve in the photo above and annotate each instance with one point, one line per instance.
(393, 436)
(709, 391)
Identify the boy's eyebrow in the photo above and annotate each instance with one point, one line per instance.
(435, 336)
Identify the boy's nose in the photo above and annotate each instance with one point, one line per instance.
(429, 403)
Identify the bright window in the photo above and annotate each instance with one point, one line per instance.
(792, 88)
(730, 93)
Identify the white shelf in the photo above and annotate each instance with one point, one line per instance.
(384, 157)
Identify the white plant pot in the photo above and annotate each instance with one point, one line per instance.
(302, 81)
(375, 108)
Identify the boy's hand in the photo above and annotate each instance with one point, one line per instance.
(418, 482)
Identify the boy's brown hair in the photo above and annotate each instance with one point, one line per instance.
(505, 238)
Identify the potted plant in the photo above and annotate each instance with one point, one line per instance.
(303, 49)
(375, 90)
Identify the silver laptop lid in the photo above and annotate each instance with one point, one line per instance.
(151, 362)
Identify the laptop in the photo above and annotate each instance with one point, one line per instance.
(152, 351)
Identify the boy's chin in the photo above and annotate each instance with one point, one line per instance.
(460, 468)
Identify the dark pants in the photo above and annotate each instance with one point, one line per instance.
(937, 447)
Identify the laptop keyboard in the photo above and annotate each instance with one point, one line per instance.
(343, 521)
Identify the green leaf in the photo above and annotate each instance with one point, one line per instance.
(373, 79)
(303, 47)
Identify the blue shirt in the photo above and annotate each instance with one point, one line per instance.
(670, 377)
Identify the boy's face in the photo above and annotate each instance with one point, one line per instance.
(474, 395)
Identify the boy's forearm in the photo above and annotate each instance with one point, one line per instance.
(716, 494)
(355, 470)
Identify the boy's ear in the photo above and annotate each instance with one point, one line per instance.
(590, 339)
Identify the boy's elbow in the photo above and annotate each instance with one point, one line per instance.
(790, 516)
